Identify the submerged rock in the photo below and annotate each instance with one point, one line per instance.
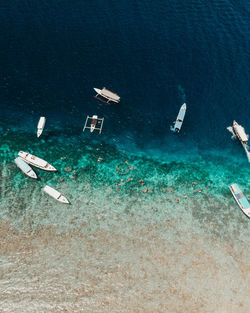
(68, 169)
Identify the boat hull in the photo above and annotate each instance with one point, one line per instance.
(240, 199)
(35, 161)
(40, 126)
(93, 123)
(179, 120)
(25, 168)
(240, 132)
(55, 194)
(107, 94)
(97, 90)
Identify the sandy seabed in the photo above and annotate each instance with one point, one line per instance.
(150, 268)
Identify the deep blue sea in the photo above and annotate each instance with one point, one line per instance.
(155, 55)
(54, 52)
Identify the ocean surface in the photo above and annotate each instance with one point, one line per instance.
(152, 225)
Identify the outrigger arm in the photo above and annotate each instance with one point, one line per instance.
(85, 123)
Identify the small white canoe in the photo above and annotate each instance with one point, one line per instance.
(25, 168)
(179, 119)
(40, 126)
(55, 194)
(240, 199)
(35, 161)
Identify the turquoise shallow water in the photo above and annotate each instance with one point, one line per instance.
(120, 181)
(146, 230)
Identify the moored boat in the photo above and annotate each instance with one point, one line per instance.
(35, 161)
(40, 126)
(107, 94)
(179, 120)
(55, 194)
(25, 168)
(95, 123)
(240, 199)
(240, 132)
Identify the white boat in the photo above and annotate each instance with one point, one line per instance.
(240, 199)
(107, 94)
(95, 124)
(40, 126)
(179, 119)
(35, 161)
(240, 132)
(25, 168)
(55, 194)
(242, 136)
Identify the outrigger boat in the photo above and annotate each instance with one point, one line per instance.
(242, 136)
(35, 161)
(55, 194)
(240, 199)
(95, 124)
(107, 94)
(40, 126)
(24, 167)
(179, 120)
